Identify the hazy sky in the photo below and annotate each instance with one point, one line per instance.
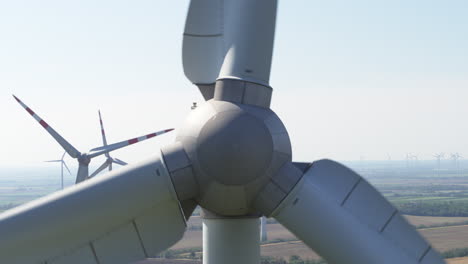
(350, 78)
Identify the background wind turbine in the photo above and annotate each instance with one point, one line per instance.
(233, 157)
(85, 158)
(438, 157)
(455, 157)
(109, 160)
(62, 164)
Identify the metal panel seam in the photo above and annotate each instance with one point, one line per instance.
(351, 191)
(140, 239)
(425, 253)
(388, 221)
(93, 250)
(203, 36)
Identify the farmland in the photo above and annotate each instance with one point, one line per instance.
(284, 244)
(435, 203)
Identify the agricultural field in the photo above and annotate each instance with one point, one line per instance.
(435, 203)
(284, 244)
(463, 260)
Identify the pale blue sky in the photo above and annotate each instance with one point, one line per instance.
(350, 78)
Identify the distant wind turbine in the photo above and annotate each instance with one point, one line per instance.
(62, 164)
(109, 160)
(455, 157)
(438, 156)
(84, 158)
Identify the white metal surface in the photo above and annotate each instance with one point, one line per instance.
(122, 216)
(203, 48)
(231, 241)
(229, 39)
(249, 33)
(345, 220)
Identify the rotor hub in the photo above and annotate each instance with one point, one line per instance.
(84, 159)
(234, 150)
(234, 147)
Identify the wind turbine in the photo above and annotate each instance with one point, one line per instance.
(455, 157)
(85, 158)
(109, 160)
(438, 157)
(232, 157)
(62, 164)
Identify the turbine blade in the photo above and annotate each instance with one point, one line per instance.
(103, 133)
(63, 156)
(212, 29)
(84, 222)
(101, 168)
(118, 161)
(252, 36)
(72, 151)
(106, 149)
(65, 164)
(53, 161)
(332, 207)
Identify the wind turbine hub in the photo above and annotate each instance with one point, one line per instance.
(83, 159)
(235, 149)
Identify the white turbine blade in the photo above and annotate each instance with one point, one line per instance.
(101, 168)
(118, 161)
(121, 217)
(202, 49)
(65, 164)
(103, 133)
(106, 149)
(72, 151)
(217, 44)
(53, 161)
(344, 219)
(249, 40)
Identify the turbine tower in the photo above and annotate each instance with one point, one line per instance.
(62, 164)
(85, 158)
(232, 157)
(438, 157)
(263, 229)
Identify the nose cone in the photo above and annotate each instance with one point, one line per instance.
(234, 150)
(235, 147)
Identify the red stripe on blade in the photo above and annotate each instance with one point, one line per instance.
(44, 124)
(151, 135)
(133, 141)
(16, 98)
(30, 111)
(168, 130)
